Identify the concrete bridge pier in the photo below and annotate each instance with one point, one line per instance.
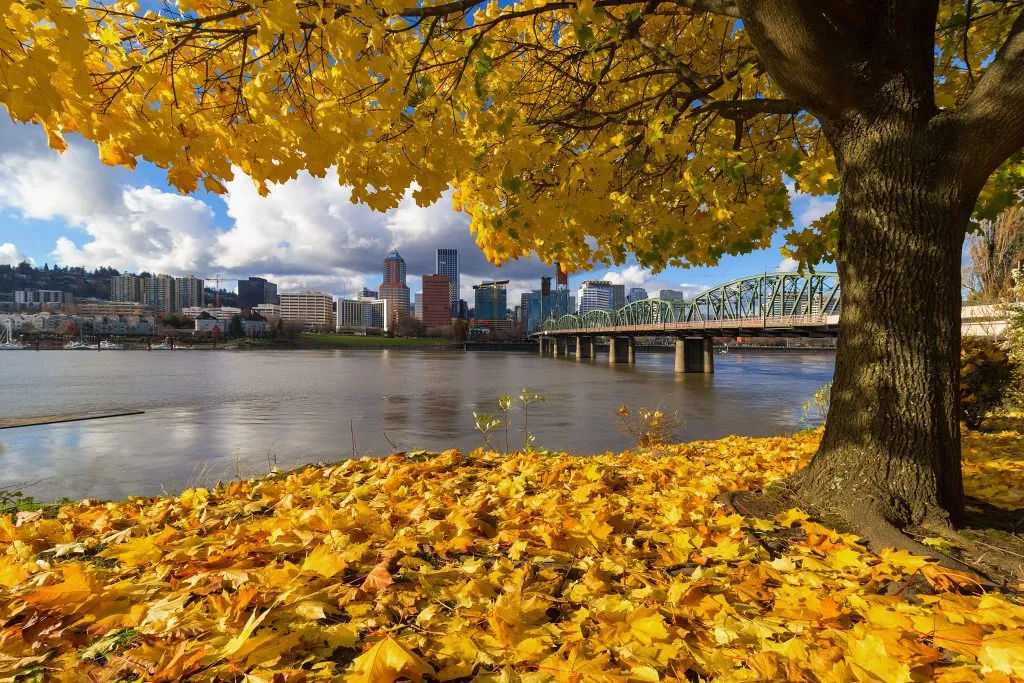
(695, 355)
(541, 341)
(618, 350)
(584, 347)
(631, 350)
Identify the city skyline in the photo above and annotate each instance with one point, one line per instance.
(71, 210)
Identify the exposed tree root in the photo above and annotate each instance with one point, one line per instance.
(874, 529)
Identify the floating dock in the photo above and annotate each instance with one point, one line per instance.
(11, 423)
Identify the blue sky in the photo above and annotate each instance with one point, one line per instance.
(71, 210)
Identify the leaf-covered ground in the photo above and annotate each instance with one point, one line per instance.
(498, 568)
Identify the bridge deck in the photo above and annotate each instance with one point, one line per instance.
(801, 326)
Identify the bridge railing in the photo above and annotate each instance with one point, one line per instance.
(762, 301)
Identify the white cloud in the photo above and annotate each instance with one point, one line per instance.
(816, 208)
(305, 234)
(636, 276)
(630, 276)
(788, 265)
(808, 208)
(9, 255)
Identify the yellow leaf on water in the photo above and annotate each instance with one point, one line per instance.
(387, 661)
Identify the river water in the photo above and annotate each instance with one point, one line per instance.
(212, 415)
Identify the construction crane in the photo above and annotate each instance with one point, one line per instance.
(216, 279)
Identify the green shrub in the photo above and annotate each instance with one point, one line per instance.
(985, 376)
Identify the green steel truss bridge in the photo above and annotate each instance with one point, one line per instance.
(773, 304)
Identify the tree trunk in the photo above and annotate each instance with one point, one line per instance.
(891, 448)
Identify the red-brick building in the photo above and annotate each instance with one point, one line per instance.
(437, 309)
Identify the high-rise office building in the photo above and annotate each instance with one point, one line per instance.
(436, 298)
(417, 305)
(636, 294)
(367, 293)
(535, 307)
(161, 293)
(595, 295)
(618, 296)
(394, 268)
(448, 265)
(491, 300)
(670, 294)
(127, 288)
(190, 292)
(256, 291)
(363, 313)
(394, 289)
(314, 310)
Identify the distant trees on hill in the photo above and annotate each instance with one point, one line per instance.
(77, 280)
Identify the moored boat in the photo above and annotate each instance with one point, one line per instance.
(7, 340)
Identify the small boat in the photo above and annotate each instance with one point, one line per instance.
(107, 345)
(165, 346)
(7, 340)
(724, 349)
(77, 346)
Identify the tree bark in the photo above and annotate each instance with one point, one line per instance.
(909, 178)
(891, 447)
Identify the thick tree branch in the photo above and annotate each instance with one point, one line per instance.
(741, 110)
(992, 118)
(724, 7)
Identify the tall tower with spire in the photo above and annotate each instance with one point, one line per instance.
(394, 289)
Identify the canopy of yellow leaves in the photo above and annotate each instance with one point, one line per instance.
(582, 131)
(529, 568)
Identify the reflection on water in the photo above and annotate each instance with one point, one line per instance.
(214, 414)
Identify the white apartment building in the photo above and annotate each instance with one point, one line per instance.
(222, 313)
(364, 313)
(595, 295)
(190, 291)
(268, 311)
(127, 288)
(162, 293)
(314, 310)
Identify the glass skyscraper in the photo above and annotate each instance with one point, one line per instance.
(491, 301)
(448, 265)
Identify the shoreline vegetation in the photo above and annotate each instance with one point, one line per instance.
(529, 567)
(317, 341)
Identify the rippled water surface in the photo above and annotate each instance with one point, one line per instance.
(215, 414)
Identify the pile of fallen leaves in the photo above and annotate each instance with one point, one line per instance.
(497, 568)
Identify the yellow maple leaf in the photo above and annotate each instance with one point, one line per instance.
(77, 587)
(324, 561)
(791, 517)
(1003, 652)
(12, 571)
(112, 154)
(647, 625)
(387, 661)
(869, 656)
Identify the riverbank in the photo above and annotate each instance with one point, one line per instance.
(528, 567)
(303, 341)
